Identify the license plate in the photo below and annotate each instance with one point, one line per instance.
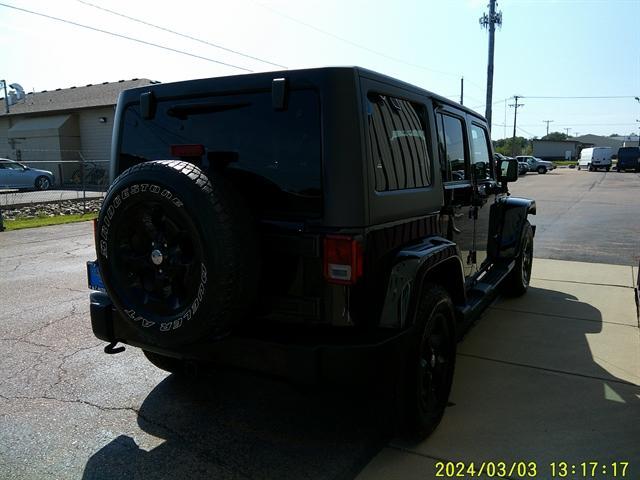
(93, 277)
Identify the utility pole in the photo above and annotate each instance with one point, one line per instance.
(6, 98)
(461, 90)
(547, 122)
(490, 21)
(515, 106)
(567, 129)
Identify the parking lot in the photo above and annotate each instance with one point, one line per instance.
(552, 376)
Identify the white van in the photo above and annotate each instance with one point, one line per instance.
(595, 158)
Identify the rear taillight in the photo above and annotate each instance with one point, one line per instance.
(342, 259)
(191, 150)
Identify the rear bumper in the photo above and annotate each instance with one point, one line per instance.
(362, 358)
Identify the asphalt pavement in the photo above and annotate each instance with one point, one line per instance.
(557, 367)
(585, 216)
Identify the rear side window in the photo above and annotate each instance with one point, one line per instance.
(398, 143)
(277, 148)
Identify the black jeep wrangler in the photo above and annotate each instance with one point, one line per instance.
(320, 224)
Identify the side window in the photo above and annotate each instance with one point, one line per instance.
(451, 147)
(480, 161)
(398, 143)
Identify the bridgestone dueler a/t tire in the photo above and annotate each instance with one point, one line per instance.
(517, 282)
(211, 218)
(435, 322)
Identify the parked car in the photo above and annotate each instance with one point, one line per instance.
(628, 159)
(536, 164)
(323, 224)
(522, 166)
(16, 175)
(595, 158)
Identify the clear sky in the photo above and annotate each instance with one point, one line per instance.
(545, 48)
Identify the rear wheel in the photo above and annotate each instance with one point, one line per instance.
(608, 168)
(430, 364)
(517, 282)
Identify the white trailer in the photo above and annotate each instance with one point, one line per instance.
(594, 158)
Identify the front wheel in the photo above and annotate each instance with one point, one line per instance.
(517, 282)
(542, 170)
(430, 364)
(608, 168)
(42, 183)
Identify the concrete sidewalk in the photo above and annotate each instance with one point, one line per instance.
(553, 376)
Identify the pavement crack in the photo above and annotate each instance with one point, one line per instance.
(27, 342)
(61, 371)
(200, 450)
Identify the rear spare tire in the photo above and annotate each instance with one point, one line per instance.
(177, 252)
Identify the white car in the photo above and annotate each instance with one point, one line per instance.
(15, 175)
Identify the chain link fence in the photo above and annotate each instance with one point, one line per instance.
(46, 182)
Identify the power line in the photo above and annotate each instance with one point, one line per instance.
(569, 97)
(205, 42)
(352, 43)
(524, 131)
(118, 35)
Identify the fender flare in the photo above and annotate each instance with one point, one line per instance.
(407, 275)
(507, 218)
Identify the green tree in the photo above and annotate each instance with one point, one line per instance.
(555, 136)
(504, 146)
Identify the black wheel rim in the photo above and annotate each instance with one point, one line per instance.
(527, 261)
(43, 183)
(157, 259)
(435, 364)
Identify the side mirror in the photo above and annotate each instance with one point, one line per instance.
(508, 170)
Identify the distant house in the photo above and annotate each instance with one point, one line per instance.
(558, 149)
(599, 141)
(56, 129)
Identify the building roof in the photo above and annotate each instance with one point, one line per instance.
(599, 141)
(574, 142)
(100, 95)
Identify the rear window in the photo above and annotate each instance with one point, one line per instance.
(629, 152)
(281, 148)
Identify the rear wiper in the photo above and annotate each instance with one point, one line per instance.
(183, 111)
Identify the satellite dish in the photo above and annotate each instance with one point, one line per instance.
(19, 91)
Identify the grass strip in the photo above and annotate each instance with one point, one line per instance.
(44, 221)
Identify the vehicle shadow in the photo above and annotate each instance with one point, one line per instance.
(551, 365)
(234, 424)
